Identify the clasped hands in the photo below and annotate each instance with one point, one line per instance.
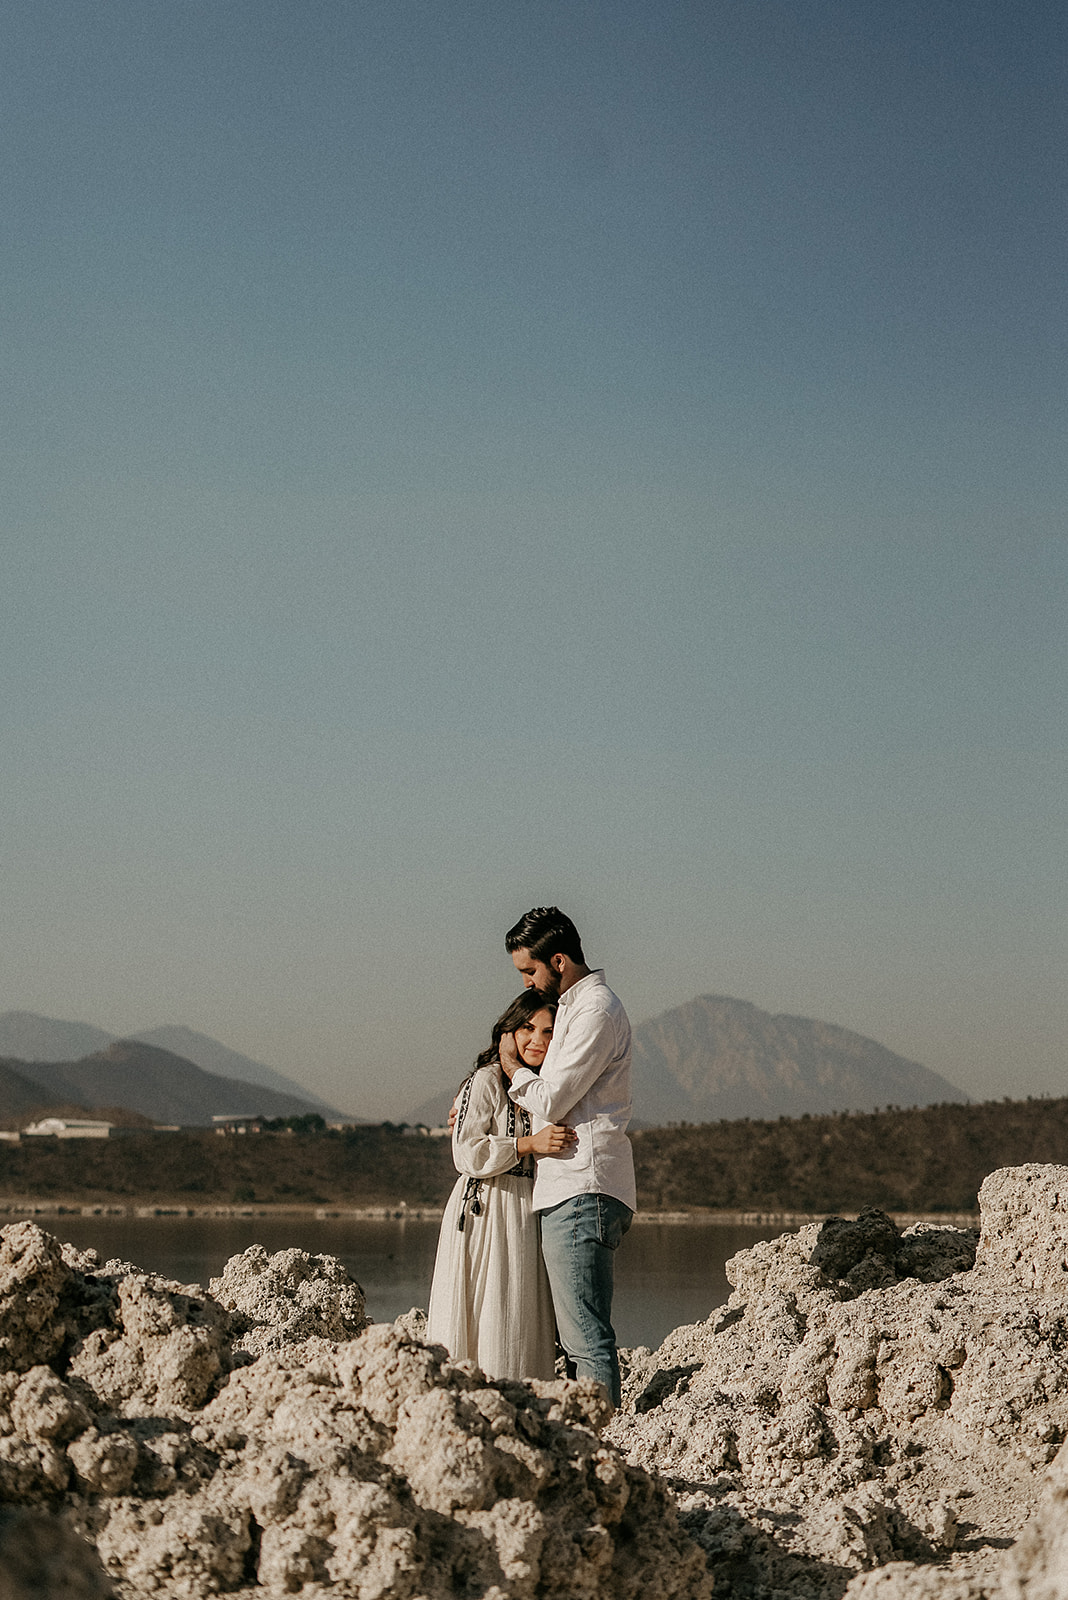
(550, 1141)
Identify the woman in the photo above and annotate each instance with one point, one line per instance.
(490, 1302)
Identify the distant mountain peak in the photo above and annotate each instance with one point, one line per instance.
(219, 1059)
(26, 1036)
(716, 1057)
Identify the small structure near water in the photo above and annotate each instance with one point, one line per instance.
(238, 1123)
(71, 1128)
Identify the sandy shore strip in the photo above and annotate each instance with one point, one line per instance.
(401, 1211)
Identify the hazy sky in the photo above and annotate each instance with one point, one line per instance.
(460, 457)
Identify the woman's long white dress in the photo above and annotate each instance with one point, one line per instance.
(490, 1300)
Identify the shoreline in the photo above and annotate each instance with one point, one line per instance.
(401, 1211)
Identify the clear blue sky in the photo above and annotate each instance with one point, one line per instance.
(462, 457)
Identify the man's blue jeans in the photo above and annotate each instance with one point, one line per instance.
(578, 1240)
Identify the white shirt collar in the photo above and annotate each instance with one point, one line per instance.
(591, 978)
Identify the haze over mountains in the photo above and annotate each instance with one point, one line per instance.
(138, 1077)
(217, 1058)
(26, 1037)
(710, 1059)
(156, 1083)
(715, 1058)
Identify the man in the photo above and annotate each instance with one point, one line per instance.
(585, 1195)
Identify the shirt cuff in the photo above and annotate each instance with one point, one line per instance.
(522, 1076)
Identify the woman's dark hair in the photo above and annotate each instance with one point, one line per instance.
(545, 932)
(523, 1008)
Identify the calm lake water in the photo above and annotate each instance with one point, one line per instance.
(666, 1273)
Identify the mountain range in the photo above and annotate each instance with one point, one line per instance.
(20, 1096)
(710, 1059)
(26, 1037)
(715, 1058)
(127, 1074)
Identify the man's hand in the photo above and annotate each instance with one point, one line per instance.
(510, 1062)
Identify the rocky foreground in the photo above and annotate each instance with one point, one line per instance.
(873, 1414)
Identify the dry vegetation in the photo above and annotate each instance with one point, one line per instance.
(361, 1166)
(930, 1159)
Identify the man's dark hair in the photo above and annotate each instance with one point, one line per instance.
(546, 932)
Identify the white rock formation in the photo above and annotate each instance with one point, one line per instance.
(867, 1396)
(289, 1297)
(345, 1466)
(873, 1414)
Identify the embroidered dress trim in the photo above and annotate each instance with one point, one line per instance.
(465, 1099)
(524, 1167)
(518, 1119)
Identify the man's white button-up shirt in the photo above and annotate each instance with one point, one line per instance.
(585, 1082)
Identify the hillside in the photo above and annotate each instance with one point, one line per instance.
(433, 1112)
(717, 1057)
(20, 1096)
(928, 1159)
(158, 1084)
(920, 1160)
(359, 1166)
(223, 1062)
(25, 1036)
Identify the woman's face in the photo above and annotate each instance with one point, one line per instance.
(532, 1038)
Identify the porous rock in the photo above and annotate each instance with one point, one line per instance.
(166, 1345)
(870, 1415)
(871, 1402)
(1036, 1568)
(367, 1467)
(33, 1275)
(902, 1580)
(289, 1297)
(1024, 1236)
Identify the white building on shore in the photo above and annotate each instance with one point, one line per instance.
(69, 1128)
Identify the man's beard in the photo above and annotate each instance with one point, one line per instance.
(551, 989)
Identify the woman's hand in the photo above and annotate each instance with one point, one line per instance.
(550, 1141)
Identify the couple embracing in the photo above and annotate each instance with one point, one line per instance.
(546, 1186)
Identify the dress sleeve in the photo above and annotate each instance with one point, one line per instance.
(477, 1151)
